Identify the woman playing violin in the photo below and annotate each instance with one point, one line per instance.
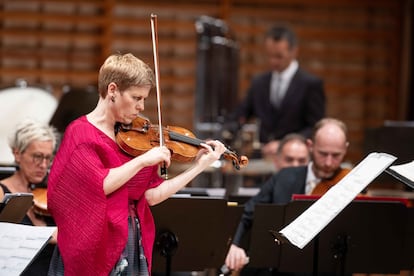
(99, 196)
(33, 146)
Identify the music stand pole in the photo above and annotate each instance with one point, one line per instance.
(315, 256)
(340, 248)
(167, 244)
(186, 220)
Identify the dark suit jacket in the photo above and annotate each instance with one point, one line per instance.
(277, 190)
(302, 106)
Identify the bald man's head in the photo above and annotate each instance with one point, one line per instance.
(328, 146)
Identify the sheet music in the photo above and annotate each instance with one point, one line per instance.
(305, 227)
(406, 170)
(19, 244)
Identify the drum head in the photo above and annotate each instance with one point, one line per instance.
(18, 104)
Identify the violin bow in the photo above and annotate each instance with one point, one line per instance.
(154, 27)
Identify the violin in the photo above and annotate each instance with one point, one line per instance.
(326, 184)
(140, 136)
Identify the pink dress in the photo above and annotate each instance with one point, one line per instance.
(93, 227)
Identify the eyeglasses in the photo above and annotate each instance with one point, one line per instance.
(38, 158)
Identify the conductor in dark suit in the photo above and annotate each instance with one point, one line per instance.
(285, 99)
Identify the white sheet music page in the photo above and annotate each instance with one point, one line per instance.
(305, 227)
(406, 170)
(19, 244)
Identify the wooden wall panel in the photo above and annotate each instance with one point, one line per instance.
(50, 43)
(353, 45)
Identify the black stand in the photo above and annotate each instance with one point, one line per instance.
(340, 250)
(192, 233)
(167, 244)
(366, 237)
(15, 207)
(263, 253)
(408, 244)
(315, 260)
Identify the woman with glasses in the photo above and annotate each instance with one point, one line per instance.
(33, 145)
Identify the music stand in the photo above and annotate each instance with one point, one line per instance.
(262, 251)
(366, 237)
(407, 262)
(192, 234)
(16, 207)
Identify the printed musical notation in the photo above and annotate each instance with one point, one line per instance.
(19, 244)
(305, 227)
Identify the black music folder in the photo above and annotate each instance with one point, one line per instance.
(192, 233)
(14, 207)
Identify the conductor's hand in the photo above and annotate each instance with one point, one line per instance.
(211, 151)
(156, 156)
(236, 258)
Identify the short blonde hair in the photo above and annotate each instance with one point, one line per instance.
(126, 71)
(30, 130)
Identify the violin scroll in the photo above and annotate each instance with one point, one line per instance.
(238, 162)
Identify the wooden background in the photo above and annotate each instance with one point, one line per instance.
(359, 47)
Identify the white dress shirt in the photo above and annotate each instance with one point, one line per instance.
(311, 180)
(280, 82)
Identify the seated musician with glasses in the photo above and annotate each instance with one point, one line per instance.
(33, 145)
